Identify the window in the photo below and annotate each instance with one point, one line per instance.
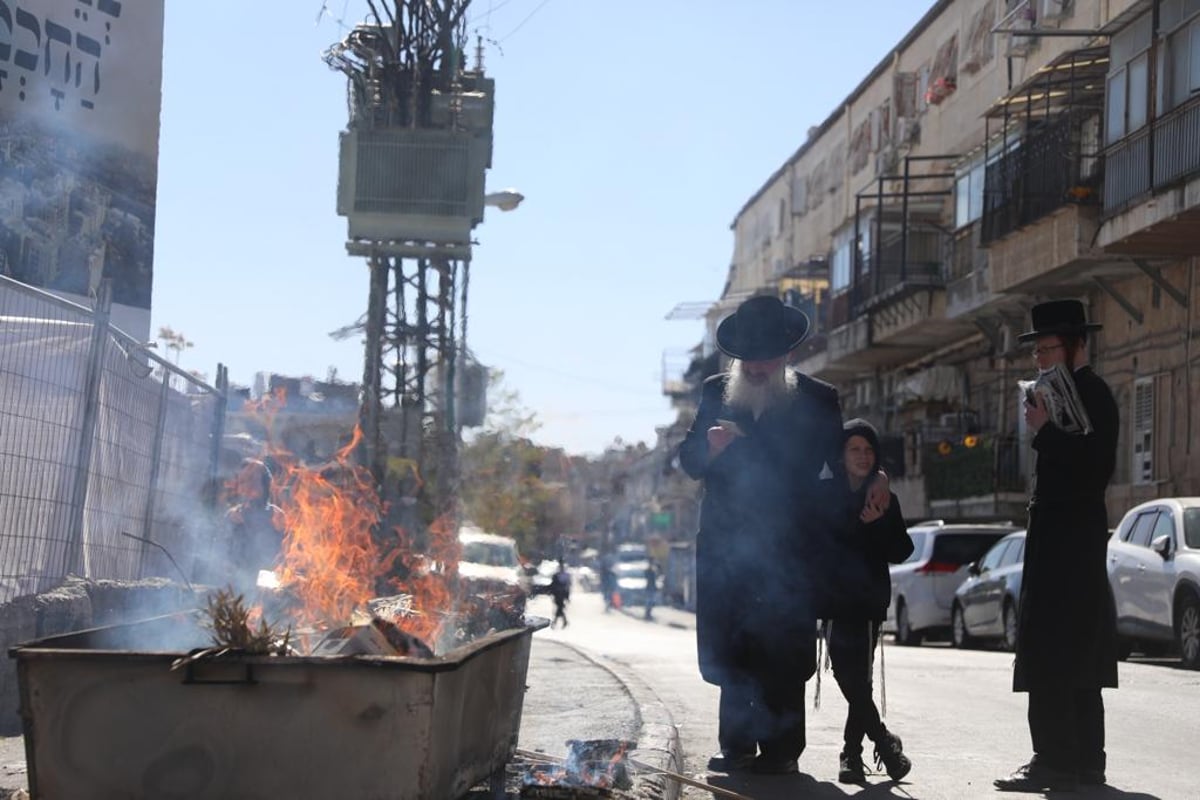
(839, 264)
(1115, 104)
(968, 194)
(1139, 534)
(1128, 80)
(1182, 64)
(1143, 431)
(919, 547)
(1012, 556)
(1164, 527)
(994, 556)
(1191, 527)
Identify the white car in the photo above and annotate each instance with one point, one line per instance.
(1154, 570)
(923, 586)
(490, 563)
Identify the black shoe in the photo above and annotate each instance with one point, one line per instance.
(850, 768)
(766, 765)
(1034, 777)
(1092, 777)
(731, 762)
(889, 755)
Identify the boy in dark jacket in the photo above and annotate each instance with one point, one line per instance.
(857, 592)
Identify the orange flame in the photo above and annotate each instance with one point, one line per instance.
(335, 557)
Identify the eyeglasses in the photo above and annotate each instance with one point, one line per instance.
(1045, 348)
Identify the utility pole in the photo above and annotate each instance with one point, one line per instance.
(411, 185)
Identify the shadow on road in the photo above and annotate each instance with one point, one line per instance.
(788, 787)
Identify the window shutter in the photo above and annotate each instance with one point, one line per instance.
(1143, 431)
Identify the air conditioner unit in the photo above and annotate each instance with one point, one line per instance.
(1053, 9)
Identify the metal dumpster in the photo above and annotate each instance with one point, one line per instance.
(106, 717)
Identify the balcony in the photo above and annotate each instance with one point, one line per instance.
(1049, 169)
(1152, 189)
(974, 477)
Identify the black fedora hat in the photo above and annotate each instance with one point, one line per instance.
(1058, 317)
(761, 329)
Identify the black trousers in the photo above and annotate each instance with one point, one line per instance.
(1067, 728)
(762, 715)
(851, 646)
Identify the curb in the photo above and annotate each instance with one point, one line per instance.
(658, 737)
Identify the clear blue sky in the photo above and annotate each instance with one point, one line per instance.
(635, 128)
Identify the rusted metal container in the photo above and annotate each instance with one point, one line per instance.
(106, 717)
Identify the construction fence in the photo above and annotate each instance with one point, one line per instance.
(108, 452)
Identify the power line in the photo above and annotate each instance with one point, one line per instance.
(562, 373)
(521, 24)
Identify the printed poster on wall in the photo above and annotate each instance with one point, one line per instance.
(80, 95)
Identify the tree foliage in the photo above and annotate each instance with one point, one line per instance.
(503, 487)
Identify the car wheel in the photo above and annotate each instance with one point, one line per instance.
(958, 628)
(1188, 630)
(904, 632)
(1010, 625)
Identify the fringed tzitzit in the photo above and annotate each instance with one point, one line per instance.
(882, 679)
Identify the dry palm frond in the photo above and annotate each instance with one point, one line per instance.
(230, 622)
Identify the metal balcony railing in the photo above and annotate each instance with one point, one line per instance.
(1046, 172)
(1153, 157)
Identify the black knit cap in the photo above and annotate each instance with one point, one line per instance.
(860, 427)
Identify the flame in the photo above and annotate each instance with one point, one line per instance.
(331, 559)
(337, 554)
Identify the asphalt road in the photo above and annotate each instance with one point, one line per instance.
(960, 722)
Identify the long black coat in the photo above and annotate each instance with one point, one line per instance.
(851, 580)
(762, 499)
(1066, 635)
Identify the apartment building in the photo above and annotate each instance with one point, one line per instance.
(1004, 152)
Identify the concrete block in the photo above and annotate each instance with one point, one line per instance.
(18, 624)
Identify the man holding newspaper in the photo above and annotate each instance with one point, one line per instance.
(1066, 641)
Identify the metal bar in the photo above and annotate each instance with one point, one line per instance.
(1154, 274)
(942, 193)
(73, 561)
(160, 426)
(1152, 71)
(1119, 299)
(1049, 32)
(877, 245)
(218, 427)
(904, 224)
(372, 365)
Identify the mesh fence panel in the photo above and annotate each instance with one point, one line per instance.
(81, 486)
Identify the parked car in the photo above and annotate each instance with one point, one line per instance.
(1154, 570)
(923, 586)
(490, 563)
(985, 604)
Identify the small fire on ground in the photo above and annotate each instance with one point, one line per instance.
(592, 768)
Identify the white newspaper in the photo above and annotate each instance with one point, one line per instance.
(1056, 386)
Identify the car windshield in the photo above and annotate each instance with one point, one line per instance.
(1191, 527)
(962, 548)
(489, 553)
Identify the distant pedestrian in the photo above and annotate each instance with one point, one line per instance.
(608, 581)
(560, 591)
(854, 590)
(1066, 630)
(651, 574)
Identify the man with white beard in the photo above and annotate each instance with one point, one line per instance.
(764, 442)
